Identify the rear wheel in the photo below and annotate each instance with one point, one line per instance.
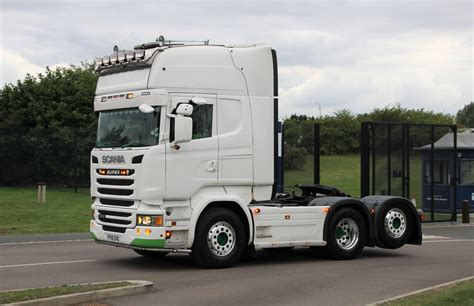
(347, 234)
(151, 254)
(394, 225)
(220, 239)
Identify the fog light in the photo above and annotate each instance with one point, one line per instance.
(147, 231)
(139, 231)
(168, 234)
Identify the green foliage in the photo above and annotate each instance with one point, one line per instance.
(58, 98)
(465, 116)
(295, 157)
(48, 126)
(340, 133)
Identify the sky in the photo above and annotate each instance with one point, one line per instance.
(332, 55)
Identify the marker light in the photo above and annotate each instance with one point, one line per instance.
(326, 210)
(168, 235)
(129, 95)
(256, 211)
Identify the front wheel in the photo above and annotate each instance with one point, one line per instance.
(220, 239)
(347, 234)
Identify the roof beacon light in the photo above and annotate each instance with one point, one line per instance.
(99, 61)
(121, 56)
(129, 56)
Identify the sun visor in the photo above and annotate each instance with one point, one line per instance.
(123, 81)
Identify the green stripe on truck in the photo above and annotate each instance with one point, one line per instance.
(148, 243)
(93, 236)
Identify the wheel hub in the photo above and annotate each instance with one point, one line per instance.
(347, 233)
(221, 238)
(395, 223)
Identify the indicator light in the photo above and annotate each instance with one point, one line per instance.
(326, 209)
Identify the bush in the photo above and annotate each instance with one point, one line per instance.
(295, 157)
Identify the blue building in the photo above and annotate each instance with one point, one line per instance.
(443, 172)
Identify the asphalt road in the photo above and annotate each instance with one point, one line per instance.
(291, 278)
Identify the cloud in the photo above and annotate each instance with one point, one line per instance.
(14, 67)
(341, 54)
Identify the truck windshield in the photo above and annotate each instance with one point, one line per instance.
(128, 128)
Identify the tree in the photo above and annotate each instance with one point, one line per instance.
(48, 127)
(465, 116)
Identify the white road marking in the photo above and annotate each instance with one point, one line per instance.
(48, 263)
(434, 237)
(450, 240)
(39, 242)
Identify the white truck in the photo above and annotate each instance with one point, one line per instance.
(185, 161)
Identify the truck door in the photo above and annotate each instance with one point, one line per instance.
(194, 165)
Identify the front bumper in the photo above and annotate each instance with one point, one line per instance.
(132, 237)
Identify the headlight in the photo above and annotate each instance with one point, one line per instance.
(149, 220)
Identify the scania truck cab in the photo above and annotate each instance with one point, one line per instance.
(185, 161)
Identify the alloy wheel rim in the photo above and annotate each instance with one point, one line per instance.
(221, 238)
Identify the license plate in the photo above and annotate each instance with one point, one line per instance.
(112, 237)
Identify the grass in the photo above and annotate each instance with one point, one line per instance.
(38, 293)
(459, 294)
(341, 171)
(64, 212)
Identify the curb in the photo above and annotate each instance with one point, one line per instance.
(421, 291)
(139, 286)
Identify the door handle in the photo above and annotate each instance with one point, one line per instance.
(211, 166)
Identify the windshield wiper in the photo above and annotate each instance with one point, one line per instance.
(104, 144)
(134, 144)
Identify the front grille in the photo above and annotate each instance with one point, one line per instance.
(104, 219)
(113, 229)
(111, 191)
(116, 182)
(113, 202)
(114, 218)
(114, 213)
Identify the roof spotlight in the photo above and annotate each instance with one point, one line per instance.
(116, 49)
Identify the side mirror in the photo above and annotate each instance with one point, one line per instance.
(146, 109)
(183, 129)
(185, 110)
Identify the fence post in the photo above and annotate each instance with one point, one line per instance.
(465, 212)
(317, 154)
(364, 160)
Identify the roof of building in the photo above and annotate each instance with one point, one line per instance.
(464, 141)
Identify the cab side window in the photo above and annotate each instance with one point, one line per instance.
(202, 121)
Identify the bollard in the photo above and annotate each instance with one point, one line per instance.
(41, 193)
(465, 212)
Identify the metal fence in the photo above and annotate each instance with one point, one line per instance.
(416, 161)
(55, 156)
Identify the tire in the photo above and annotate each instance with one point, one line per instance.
(220, 239)
(151, 254)
(347, 235)
(394, 225)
